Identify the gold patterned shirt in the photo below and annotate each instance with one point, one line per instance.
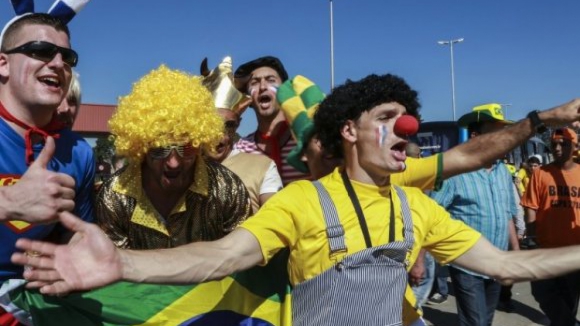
(213, 206)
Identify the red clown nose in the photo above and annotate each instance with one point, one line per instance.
(406, 125)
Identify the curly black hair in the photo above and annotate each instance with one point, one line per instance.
(350, 100)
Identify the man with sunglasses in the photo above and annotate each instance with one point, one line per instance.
(258, 172)
(36, 64)
(168, 195)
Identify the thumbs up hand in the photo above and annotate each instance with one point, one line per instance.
(40, 195)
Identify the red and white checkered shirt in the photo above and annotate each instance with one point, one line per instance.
(287, 172)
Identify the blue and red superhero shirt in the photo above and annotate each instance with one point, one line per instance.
(73, 156)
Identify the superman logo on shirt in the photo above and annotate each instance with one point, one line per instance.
(15, 226)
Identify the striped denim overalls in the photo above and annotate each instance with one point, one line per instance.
(365, 288)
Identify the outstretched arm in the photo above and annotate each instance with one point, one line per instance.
(484, 149)
(522, 265)
(40, 195)
(195, 262)
(90, 260)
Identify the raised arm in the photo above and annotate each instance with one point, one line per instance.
(90, 260)
(484, 149)
(522, 265)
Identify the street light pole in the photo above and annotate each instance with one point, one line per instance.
(450, 43)
(504, 107)
(331, 47)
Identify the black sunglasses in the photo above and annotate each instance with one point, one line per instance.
(46, 51)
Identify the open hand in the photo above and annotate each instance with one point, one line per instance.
(88, 261)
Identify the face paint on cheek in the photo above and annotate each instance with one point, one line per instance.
(252, 90)
(381, 135)
(273, 88)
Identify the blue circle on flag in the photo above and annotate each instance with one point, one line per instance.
(224, 318)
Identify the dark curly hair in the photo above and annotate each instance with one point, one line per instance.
(350, 100)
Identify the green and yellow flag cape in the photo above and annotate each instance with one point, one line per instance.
(257, 297)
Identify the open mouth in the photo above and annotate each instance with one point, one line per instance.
(265, 98)
(400, 146)
(50, 81)
(398, 151)
(171, 174)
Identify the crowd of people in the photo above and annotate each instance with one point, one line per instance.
(327, 178)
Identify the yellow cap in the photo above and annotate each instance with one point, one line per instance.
(483, 113)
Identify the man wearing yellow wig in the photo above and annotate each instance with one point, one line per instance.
(168, 195)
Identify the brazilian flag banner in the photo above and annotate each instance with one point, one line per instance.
(257, 297)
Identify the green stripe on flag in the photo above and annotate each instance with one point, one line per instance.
(261, 292)
(118, 304)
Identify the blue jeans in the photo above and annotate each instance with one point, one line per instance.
(440, 283)
(558, 298)
(477, 298)
(423, 290)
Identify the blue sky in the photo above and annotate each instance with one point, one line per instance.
(526, 53)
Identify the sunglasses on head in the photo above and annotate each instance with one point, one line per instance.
(46, 51)
(160, 153)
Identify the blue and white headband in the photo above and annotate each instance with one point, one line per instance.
(65, 10)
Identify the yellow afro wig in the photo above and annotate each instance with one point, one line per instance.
(165, 107)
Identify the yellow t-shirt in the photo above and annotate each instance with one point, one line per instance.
(424, 173)
(293, 218)
(524, 178)
(511, 168)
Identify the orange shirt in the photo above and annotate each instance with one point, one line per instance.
(555, 195)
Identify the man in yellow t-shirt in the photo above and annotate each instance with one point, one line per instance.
(523, 176)
(356, 123)
(299, 99)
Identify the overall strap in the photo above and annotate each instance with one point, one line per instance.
(334, 230)
(360, 215)
(407, 219)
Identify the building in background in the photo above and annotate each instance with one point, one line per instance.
(92, 121)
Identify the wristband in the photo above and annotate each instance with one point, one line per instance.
(537, 123)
